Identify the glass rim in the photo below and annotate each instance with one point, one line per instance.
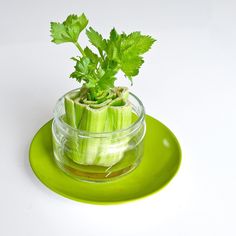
(88, 134)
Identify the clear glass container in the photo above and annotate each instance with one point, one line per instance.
(123, 149)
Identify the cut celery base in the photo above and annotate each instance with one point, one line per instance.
(110, 115)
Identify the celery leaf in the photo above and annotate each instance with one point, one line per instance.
(69, 30)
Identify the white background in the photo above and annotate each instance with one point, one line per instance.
(188, 82)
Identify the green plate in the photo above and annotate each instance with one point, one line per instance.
(161, 160)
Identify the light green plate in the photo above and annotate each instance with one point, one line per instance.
(161, 160)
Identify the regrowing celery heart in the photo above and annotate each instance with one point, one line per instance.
(99, 106)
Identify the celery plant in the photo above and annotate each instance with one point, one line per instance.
(99, 106)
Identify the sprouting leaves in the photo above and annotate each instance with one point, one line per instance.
(118, 52)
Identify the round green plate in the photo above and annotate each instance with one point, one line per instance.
(161, 160)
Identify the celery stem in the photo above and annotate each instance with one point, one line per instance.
(80, 48)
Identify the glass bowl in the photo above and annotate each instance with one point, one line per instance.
(115, 153)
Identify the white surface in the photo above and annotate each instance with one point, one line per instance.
(188, 82)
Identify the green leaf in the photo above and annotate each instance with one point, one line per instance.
(114, 35)
(107, 80)
(130, 65)
(113, 46)
(85, 71)
(91, 83)
(144, 43)
(112, 51)
(100, 72)
(81, 69)
(131, 47)
(136, 43)
(96, 39)
(69, 30)
(77, 75)
(59, 33)
(83, 65)
(91, 55)
(75, 59)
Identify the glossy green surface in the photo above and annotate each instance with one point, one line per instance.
(161, 160)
